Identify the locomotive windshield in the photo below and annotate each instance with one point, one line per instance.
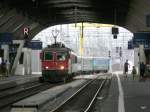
(48, 56)
(61, 56)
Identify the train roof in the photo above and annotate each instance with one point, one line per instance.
(57, 47)
(89, 57)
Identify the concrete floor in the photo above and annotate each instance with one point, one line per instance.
(136, 95)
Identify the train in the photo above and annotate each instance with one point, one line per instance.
(93, 64)
(60, 63)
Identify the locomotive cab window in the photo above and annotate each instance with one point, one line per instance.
(48, 56)
(61, 56)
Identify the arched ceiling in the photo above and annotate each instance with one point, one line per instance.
(39, 14)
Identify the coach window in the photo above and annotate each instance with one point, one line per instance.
(48, 56)
(61, 56)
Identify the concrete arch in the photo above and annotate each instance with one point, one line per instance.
(37, 15)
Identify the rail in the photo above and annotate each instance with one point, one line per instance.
(80, 95)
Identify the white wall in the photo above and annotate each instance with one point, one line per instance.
(35, 62)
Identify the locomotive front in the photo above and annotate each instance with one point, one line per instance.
(55, 64)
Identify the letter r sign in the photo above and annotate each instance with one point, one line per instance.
(26, 31)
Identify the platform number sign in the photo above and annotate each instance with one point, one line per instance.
(26, 31)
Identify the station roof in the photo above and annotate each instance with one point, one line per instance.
(39, 14)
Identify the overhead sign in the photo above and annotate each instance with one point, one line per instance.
(35, 45)
(26, 31)
(142, 38)
(6, 38)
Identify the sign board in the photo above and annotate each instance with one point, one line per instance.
(115, 30)
(35, 45)
(142, 38)
(26, 31)
(6, 38)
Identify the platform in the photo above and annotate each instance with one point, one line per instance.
(36, 102)
(15, 80)
(131, 96)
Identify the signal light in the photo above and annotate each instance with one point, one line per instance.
(115, 36)
(115, 30)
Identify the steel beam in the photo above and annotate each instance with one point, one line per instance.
(7, 17)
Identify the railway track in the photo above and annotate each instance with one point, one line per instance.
(83, 99)
(25, 91)
(15, 89)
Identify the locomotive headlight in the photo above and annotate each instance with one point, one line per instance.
(62, 67)
(46, 67)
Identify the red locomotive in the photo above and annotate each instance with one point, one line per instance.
(58, 62)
